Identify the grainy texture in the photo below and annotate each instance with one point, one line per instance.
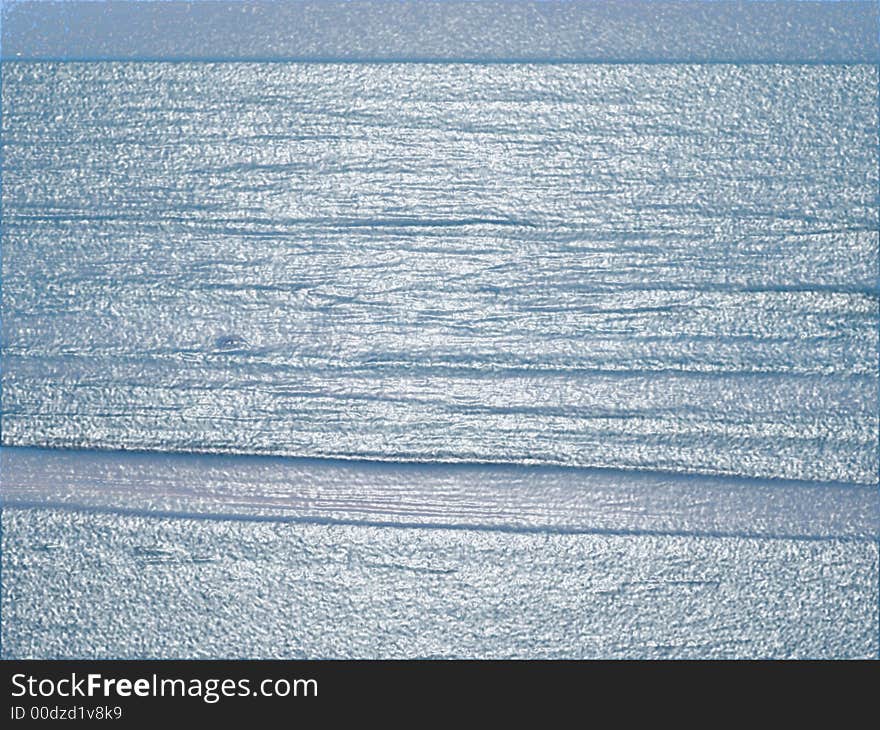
(81, 585)
(651, 267)
(663, 277)
(409, 30)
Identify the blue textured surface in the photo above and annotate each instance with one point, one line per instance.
(93, 585)
(647, 267)
(662, 278)
(448, 30)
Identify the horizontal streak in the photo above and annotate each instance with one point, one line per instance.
(442, 496)
(379, 61)
(511, 529)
